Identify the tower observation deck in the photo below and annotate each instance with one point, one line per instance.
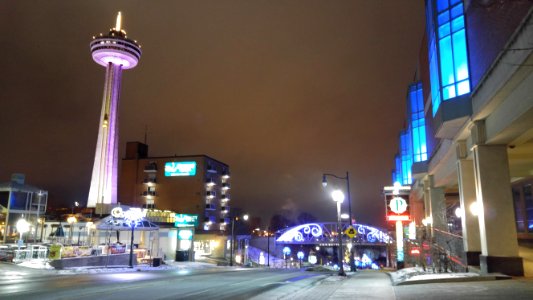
(115, 52)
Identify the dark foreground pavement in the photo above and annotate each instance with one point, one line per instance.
(377, 285)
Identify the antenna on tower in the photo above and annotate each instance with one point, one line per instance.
(119, 21)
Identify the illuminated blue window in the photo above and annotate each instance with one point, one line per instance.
(417, 122)
(398, 171)
(448, 56)
(406, 156)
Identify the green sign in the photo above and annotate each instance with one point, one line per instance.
(184, 220)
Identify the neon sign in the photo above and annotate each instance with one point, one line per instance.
(183, 168)
(301, 233)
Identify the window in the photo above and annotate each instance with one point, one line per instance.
(448, 56)
(398, 171)
(417, 122)
(518, 210)
(528, 199)
(406, 157)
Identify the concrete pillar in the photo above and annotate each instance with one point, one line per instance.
(467, 196)
(499, 244)
(438, 206)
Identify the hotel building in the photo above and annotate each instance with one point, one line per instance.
(192, 184)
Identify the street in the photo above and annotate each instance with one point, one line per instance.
(239, 283)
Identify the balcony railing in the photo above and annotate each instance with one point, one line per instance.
(147, 193)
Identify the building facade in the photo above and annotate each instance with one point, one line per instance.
(195, 184)
(467, 149)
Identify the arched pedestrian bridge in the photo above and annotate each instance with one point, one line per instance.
(326, 234)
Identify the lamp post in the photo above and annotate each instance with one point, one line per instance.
(71, 220)
(245, 218)
(286, 252)
(22, 227)
(338, 196)
(300, 256)
(347, 178)
(268, 246)
(132, 216)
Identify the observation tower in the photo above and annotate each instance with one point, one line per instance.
(115, 52)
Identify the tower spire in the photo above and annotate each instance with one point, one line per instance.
(119, 21)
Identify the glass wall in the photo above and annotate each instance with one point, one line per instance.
(417, 122)
(447, 43)
(406, 157)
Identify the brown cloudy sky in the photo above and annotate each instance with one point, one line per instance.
(281, 91)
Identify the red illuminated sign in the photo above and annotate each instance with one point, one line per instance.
(398, 218)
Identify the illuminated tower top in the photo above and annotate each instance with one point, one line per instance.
(116, 48)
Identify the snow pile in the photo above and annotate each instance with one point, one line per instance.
(418, 274)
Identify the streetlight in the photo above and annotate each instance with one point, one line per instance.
(71, 220)
(233, 219)
(300, 256)
(22, 227)
(338, 196)
(132, 217)
(268, 246)
(286, 252)
(347, 178)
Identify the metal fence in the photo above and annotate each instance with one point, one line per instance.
(447, 252)
(30, 254)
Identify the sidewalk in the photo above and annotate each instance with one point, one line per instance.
(366, 284)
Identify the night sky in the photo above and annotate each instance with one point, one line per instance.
(281, 91)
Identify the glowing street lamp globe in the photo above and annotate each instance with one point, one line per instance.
(338, 196)
(23, 226)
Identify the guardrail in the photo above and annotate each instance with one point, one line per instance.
(29, 254)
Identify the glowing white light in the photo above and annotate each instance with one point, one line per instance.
(245, 217)
(338, 196)
(345, 216)
(119, 21)
(238, 258)
(427, 221)
(23, 226)
(312, 259)
(459, 212)
(261, 258)
(475, 208)
(412, 231)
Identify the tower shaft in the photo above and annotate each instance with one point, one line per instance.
(103, 189)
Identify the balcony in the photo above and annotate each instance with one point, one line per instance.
(225, 186)
(225, 174)
(147, 194)
(150, 168)
(224, 198)
(210, 207)
(150, 180)
(224, 209)
(210, 194)
(210, 182)
(211, 169)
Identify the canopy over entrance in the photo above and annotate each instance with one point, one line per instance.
(120, 220)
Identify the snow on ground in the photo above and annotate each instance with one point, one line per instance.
(417, 273)
(43, 265)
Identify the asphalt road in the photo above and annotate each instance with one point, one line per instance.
(234, 283)
(167, 284)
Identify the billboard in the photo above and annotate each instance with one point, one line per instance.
(180, 168)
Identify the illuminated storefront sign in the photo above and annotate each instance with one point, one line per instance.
(184, 220)
(180, 168)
